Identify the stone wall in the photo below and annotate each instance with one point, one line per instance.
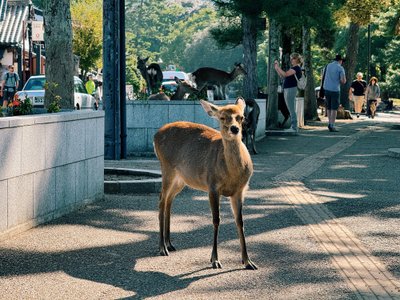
(144, 118)
(50, 164)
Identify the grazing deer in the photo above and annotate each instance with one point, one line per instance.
(183, 89)
(203, 77)
(158, 96)
(216, 162)
(152, 74)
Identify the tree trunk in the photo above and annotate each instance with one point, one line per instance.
(273, 78)
(59, 58)
(350, 63)
(310, 101)
(250, 56)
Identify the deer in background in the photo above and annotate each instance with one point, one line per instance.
(204, 77)
(152, 74)
(216, 162)
(183, 90)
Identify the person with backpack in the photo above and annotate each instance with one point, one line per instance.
(291, 77)
(9, 85)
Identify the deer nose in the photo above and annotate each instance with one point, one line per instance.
(234, 129)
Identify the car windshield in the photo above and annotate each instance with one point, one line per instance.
(79, 87)
(35, 84)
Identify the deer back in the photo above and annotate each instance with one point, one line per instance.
(205, 158)
(158, 96)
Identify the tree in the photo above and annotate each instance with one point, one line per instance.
(87, 33)
(59, 59)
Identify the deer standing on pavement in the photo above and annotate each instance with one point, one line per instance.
(152, 74)
(204, 77)
(216, 162)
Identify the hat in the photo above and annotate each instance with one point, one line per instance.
(339, 57)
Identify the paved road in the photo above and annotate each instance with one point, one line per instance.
(321, 219)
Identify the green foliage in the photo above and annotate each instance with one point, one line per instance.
(54, 106)
(87, 33)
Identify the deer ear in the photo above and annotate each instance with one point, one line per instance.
(241, 103)
(210, 109)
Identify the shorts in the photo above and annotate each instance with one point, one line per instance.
(332, 100)
(9, 95)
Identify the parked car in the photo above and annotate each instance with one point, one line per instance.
(34, 90)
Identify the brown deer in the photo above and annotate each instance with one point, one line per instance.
(182, 90)
(216, 162)
(204, 77)
(152, 74)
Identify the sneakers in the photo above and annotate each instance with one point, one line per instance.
(332, 128)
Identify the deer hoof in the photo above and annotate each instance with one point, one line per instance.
(164, 251)
(171, 248)
(251, 266)
(216, 265)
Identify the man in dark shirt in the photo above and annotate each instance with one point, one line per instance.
(356, 93)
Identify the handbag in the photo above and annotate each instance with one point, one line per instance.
(302, 82)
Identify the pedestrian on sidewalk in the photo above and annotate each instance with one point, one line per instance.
(357, 93)
(372, 94)
(9, 85)
(334, 76)
(290, 87)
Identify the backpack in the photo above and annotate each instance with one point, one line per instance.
(302, 82)
(8, 76)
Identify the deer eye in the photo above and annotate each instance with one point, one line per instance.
(239, 119)
(222, 118)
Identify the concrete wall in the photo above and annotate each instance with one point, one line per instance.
(144, 118)
(50, 164)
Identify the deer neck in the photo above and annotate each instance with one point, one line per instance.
(236, 156)
(233, 74)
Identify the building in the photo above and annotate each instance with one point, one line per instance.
(18, 45)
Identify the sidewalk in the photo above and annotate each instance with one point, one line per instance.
(321, 217)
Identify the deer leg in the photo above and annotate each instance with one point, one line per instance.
(214, 203)
(237, 204)
(168, 192)
(178, 187)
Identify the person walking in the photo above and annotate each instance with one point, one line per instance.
(9, 85)
(372, 93)
(90, 86)
(334, 76)
(290, 87)
(357, 93)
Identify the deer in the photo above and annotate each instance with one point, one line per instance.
(216, 162)
(152, 74)
(182, 90)
(206, 76)
(251, 115)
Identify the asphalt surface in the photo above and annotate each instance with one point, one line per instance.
(321, 222)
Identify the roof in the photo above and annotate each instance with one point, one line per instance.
(3, 7)
(12, 24)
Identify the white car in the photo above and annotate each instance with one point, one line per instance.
(34, 90)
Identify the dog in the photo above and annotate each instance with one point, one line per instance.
(343, 113)
(251, 114)
(372, 108)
